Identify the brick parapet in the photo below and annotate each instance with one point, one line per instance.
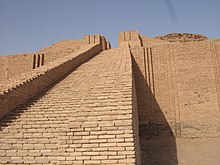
(13, 65)
(97, 39)
(132, 37)
(18, 90)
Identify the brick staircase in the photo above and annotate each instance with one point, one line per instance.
(90, 117)
(82, 107)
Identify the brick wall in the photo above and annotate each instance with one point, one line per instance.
(14, 65)
(60, 49)
(181, 86)
(11, 66)
(175, 84)
(132, 37)
(26, 86)
(196, 87)
(96, 39)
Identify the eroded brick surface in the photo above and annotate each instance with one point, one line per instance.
(85, 119)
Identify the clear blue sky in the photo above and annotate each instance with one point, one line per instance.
(29, 25)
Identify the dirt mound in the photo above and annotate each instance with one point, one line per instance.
(182, 37)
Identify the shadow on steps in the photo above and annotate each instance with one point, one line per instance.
(15, 113)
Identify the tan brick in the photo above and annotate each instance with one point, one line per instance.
(116, 148)
(108, 153)
(116, 140)
(83, 157)
(125, 136)
(126, 152)
(46, 152)
(29, 160)
(106, 136)
(75, 145)
(98, 140)
(28, 146)
(127, 161)
(125, 144)
(107, 144)
(100, 149)
(91, 153)
(92, 161)
(83, 149)
(77, 162)
(34, 153)
(129, 148)
(115, 132)
(126, 128)
(117, 157)
(90, 125)
(6, 146)
(90, 137)
(42, 160)
(97, 132)
(109, 161)
(70, 149)
(16, 160)
(83, 141)
(75, 154)
(81, 133)
(70, 158)
(98, 157)
(60, 158)
(90, 145)
(129, 139)
(93, 129)
(108, 128)
(5, 160)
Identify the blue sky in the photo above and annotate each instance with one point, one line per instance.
(29, 25)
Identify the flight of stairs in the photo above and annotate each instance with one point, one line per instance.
(87, 118)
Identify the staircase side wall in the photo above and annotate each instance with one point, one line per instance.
(19, 90)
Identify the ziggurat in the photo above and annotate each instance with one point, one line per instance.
(81, 102)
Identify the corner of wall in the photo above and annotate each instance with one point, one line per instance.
(97, 39)
(131, 36)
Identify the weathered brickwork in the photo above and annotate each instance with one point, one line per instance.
(90, 117)
(60, 49)
(20, 89)
(14, 65)
(176, 83)
(11, 66)
(101, 125)
(80, 102)
(132, 37)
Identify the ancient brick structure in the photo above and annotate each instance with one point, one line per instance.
(80, 102)
(176, 82)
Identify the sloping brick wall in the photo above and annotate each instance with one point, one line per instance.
(13, 65)
(20, 89)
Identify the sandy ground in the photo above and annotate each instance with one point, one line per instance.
(180, 151)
